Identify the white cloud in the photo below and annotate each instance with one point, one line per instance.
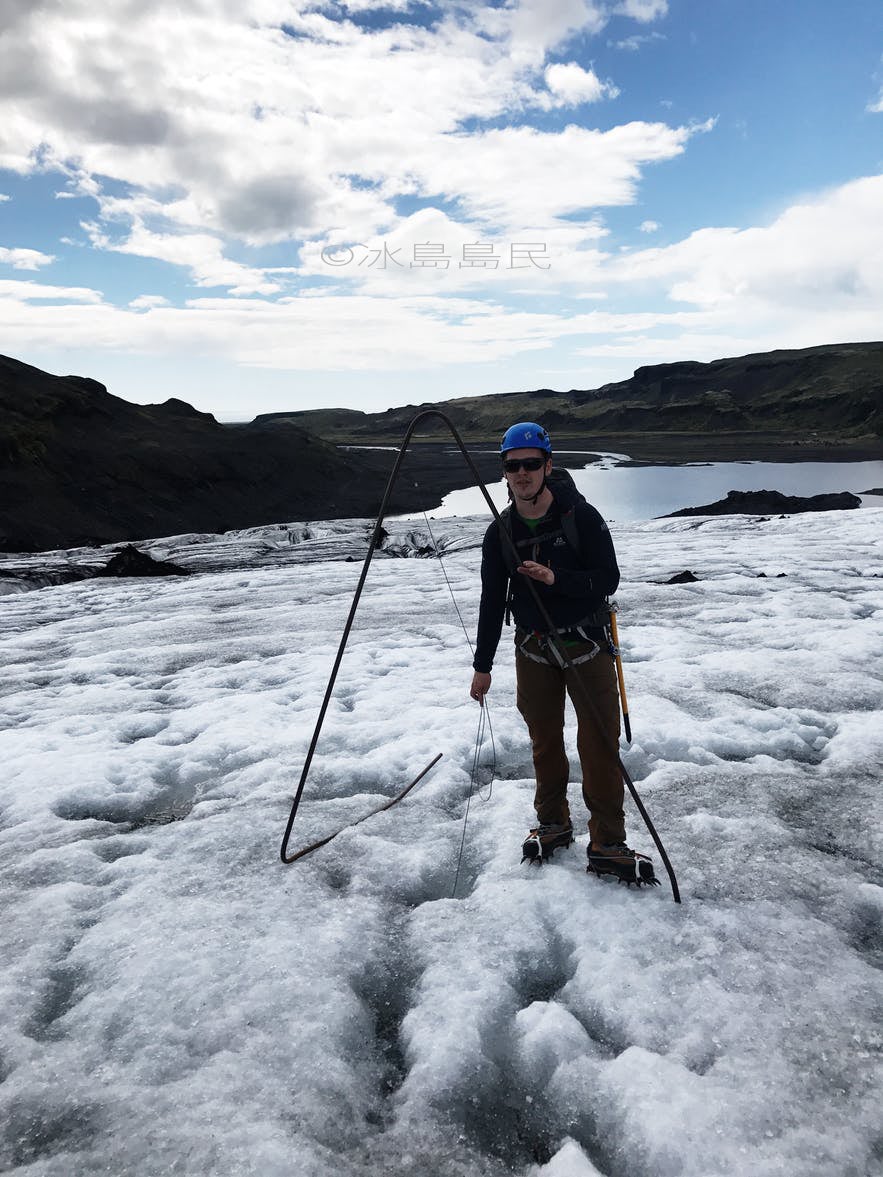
(201, 253)
(633, 44)
(218, 122)
(197, 128)
(642, 10)
(520, 177)
(430, 252)
(822, 253)
(26, 292)
(532, 27)
(383, 5)
(24, 259)
(275, 207)
(144, 302)
(814, 275)
(569, 85)
(4, 196)
(323, 333)
(876, 107)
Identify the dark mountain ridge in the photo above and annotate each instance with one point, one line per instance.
(835, 390)
(79, 466)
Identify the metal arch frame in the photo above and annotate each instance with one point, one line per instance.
(372, 545)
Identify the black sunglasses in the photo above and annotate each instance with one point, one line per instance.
(513, 465)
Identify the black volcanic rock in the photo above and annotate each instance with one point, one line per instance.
(79, 466)
(771, 502)
(130, 562)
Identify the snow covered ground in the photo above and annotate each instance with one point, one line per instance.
(175, 1001)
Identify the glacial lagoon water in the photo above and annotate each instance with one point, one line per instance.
(632, 493)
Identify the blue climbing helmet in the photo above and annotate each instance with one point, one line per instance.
(526, 435)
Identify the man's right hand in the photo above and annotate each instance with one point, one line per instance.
(481, 684)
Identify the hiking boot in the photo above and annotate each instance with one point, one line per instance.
(544, 840)
(615, 858)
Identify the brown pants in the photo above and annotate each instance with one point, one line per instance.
(540, 699)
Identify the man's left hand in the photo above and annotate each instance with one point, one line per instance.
(537, 571)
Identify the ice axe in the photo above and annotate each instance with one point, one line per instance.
(614, 637)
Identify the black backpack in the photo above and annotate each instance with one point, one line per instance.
(560, 477)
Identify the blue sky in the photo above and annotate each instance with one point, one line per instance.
(280, 204)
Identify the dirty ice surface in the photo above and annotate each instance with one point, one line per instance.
(175, 1001)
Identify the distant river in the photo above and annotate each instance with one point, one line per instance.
(630, 493)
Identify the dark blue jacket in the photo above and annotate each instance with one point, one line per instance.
(583, 579)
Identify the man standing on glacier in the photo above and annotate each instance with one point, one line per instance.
(566, 553)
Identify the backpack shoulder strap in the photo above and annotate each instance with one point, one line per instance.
(506, 543)
(507, 540)
(570, 529)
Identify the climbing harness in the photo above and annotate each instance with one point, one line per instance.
(552, 637)
(555, 657)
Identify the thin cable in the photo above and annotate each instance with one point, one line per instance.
(485, 709)
(493, 776)
(484, 719)
(479, 738)
(441, 562)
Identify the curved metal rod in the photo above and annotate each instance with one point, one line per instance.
(375, 536)
(380, 809)
(372, 544)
